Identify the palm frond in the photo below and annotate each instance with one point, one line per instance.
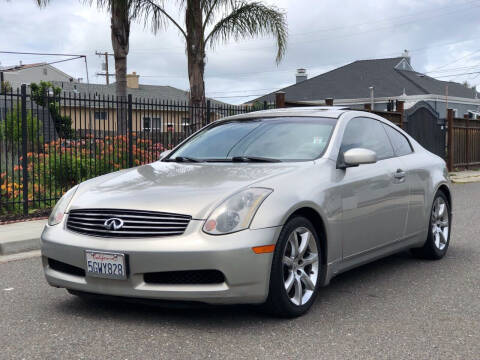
(154, 15)
(251, 19)
(101, 4)
(42, 3)
(211, 7)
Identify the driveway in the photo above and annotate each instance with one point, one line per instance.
(395, 308)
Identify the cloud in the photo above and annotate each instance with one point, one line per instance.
(323, 35)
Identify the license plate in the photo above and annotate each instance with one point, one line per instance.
(106, 265)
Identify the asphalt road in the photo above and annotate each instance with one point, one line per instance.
(396, 308)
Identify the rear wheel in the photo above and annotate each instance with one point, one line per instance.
(438, 238)
(294, 279)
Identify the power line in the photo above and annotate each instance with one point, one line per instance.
(453, 69)
(456, 60)
(388, 19)
(74, 57)
(38, 53)
(169, 49)
(461, 74)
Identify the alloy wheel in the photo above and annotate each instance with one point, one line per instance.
(300, 266)
(440, 223)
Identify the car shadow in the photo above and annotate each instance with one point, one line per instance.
(363, 281)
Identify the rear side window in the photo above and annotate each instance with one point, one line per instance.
(368, 134)
(400, 143)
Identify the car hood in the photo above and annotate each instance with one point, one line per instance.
(186, 188)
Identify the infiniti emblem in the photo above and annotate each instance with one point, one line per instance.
(113, 224)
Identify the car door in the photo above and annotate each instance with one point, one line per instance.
(374, 196)
(414, 178)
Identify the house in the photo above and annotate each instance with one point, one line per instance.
(33, 73)
(378, 82)
(159, 109)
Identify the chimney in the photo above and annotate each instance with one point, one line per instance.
(301, 75)
(406, 55)
(132, 80)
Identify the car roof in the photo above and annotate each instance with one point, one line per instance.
(313, 111)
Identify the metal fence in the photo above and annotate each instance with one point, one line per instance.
(50, 143)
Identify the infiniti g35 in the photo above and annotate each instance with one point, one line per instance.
(260, 208)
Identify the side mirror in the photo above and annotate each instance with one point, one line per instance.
(358, 156)
(164, 154)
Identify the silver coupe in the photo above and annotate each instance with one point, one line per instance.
(261, 208)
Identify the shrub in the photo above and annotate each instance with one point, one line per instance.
(11, 128)
(45, 94)
(63, 163)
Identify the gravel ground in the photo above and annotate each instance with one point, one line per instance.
(395, 308)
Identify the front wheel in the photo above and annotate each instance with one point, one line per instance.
(294, 279)
(438, 238)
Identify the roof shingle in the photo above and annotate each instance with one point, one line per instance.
(353, 80)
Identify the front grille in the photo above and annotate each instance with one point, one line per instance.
(136, 223)
(65, 268)
(185, 277)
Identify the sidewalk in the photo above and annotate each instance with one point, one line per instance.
(21, 236)
(464, 177)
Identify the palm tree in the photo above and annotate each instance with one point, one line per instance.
(120, 19)
(208, 22)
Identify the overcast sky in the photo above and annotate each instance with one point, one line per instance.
(441, 35)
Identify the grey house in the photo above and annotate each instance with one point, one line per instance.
(378, 82)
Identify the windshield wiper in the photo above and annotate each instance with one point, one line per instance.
(253, 159)
(183, 159)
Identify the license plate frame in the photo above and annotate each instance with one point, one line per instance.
(97, 264)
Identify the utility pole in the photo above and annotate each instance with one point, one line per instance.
(106, 73)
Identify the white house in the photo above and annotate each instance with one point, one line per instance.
(28, 73)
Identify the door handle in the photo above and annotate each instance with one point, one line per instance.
(399, 174)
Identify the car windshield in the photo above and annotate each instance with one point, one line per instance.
(267, 139)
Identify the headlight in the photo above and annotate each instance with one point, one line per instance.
(59, 210)
(236, 213)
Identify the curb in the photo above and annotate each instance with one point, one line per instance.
(17, 246)
(465, 180)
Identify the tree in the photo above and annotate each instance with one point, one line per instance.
(120, 19)
(5, 87)
(46, 94)
(209, 22)
(11, 128)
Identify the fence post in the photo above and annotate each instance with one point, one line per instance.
(24, 148)
(450, 139)
(467, 141)
(399, 104)
(280, 99)
(208, 112)
(130, 131)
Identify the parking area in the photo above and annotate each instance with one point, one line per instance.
(395, 308)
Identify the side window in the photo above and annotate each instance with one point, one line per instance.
(401, 145)
(368, 134)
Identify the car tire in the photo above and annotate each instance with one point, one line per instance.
(439, 229)
(300, 272)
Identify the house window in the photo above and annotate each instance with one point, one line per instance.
(152, 123)
(45, 71)
(100, 115)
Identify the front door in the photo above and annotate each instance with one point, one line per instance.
(374, 196)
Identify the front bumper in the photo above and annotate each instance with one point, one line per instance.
(246, 274)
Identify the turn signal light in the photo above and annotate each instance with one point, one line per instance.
(263, 249)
